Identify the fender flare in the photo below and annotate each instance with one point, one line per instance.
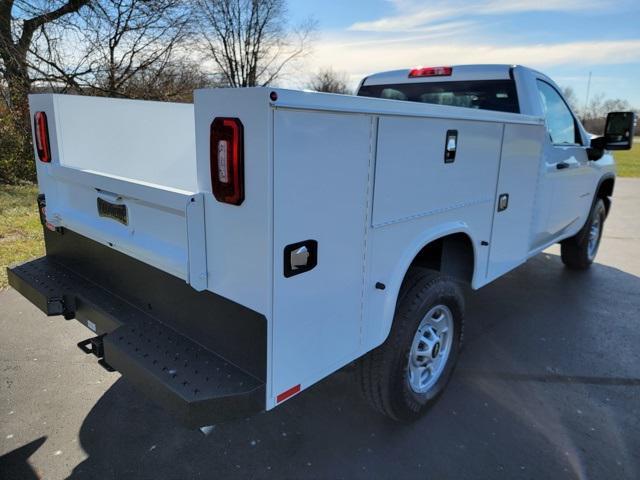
(406, 259)
(607, 176)
(604, 178)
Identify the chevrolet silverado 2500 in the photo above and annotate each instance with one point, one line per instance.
(231, 253)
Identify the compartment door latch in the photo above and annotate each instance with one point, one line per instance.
(450, 146)
(300, 257)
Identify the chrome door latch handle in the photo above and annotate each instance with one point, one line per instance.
(450, 146)
(300, 257)
(503, 201)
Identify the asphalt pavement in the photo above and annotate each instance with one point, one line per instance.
(548, 386)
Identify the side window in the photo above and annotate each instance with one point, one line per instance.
(560, 122)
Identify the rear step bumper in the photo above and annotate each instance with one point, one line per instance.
(196, 384)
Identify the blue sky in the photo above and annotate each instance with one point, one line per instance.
(564, 39)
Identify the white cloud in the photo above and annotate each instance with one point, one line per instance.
(410, 21)
(371, 55)
(439, 31)
(414, 15)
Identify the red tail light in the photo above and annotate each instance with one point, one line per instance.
(42, 136)
(430, 72)
(226, 152)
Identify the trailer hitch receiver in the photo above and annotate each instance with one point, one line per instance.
(95, 345)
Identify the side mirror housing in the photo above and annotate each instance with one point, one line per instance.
(618, 131)
(618, 134)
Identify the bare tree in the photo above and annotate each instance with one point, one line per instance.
(19, 21)
(570, 96)
(250, 41)
(124, 39)
(173, 82)
(326, 80)
(595, 114)
(54, 64)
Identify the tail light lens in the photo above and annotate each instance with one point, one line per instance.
(226, 152)
(430, 72)
(42, 136)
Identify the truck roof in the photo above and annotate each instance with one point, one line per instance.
(458, 72)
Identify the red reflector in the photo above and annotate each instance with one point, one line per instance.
(430, 72)
(288, 393)
(42, 136)
(226, 152)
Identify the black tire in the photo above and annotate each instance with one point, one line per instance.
(383, 372)
(575, 251)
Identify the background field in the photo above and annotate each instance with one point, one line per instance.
(20, 230)
(628, 162)
(21, 233)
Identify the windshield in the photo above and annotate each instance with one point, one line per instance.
(497, 95)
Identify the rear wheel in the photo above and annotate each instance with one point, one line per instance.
(404, 376)
(579, 251)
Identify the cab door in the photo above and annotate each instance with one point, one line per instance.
(565, 183)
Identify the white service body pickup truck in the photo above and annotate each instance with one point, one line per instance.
(231, 253)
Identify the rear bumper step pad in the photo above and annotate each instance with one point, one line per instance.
(196, 384)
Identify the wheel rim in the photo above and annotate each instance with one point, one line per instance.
(594, 237)
(430, 349)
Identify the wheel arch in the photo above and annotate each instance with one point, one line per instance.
(605, 190)
(450, 250)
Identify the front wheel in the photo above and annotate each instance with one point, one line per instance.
(404, 376)
(579, 251)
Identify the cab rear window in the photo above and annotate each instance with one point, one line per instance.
(499, 95)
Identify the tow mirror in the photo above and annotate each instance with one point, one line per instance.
(618, 131)
(618, 134)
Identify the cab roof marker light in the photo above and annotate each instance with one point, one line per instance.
(430, 72)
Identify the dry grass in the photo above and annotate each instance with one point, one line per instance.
(20, 229)
(628, 162)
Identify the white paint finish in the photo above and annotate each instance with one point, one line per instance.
(567, 187)
(392, 248)
(239, 238)
(386, 107)
(167, 197)
(156, 232)
(44, 103)
(519, 165)
(412, 178)
(320, 185)
(196, 238)
(146, 141)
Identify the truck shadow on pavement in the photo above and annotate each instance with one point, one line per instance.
(546, 387)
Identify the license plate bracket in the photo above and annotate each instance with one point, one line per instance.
(115, 211)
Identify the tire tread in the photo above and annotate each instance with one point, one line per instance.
(374, 369)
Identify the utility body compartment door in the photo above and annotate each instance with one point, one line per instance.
(321, 164)
(511, 234)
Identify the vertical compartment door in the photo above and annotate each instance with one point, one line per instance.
(321, 164)
(511, 233)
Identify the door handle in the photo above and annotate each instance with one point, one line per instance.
(503, 201)
(562, 165)
(450, 146)
(300, 257)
